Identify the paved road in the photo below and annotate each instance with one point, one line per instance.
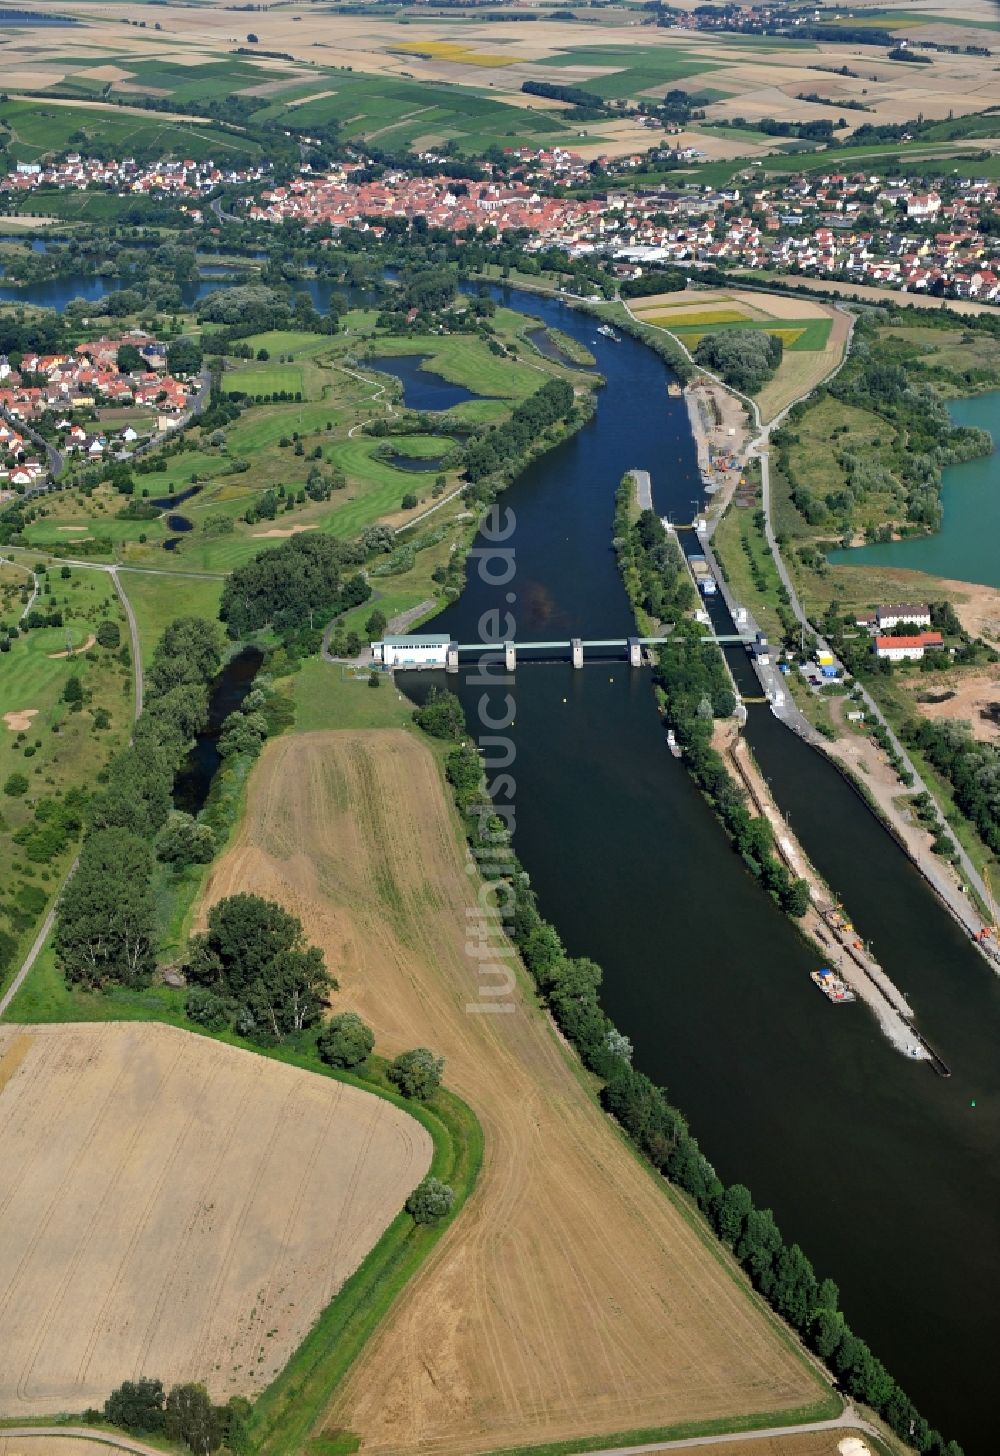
(216, 206)
(9, 561)
(133, 628)
(54, 457)
(86, 1433)
(945, 887)
(33, 954)
(849, 1421)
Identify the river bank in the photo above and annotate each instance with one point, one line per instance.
(824, 923)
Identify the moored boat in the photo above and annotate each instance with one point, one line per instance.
(833, 988)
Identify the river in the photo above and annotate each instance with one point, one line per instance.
(884, 1172)
(967, 547)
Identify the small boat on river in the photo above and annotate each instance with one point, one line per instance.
(608, 332)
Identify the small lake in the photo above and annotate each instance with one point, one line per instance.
(58, 292)
(967, 547)
(416, 464)
(167, 502)
(422, 390)
(37, 245)
(230, 687)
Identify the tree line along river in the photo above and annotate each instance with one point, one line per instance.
(882, 1171)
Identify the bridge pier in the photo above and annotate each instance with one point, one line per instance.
(509, 656)
(634, 652)
(451, 657)
(576, 645)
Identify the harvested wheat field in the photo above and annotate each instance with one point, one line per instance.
(572, 1295)
(174, 1207)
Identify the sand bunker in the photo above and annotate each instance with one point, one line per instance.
(83, 647)
(20, 720)
(71, 528)
(853, 1446)
(268, 535)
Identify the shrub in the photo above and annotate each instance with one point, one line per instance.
(417, 1074)
(430, 1201)
(345, 1041)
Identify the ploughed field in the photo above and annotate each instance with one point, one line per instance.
(174, 1207)
(572, 1296)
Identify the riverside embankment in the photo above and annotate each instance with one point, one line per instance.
(884, 1173)
(825, 924)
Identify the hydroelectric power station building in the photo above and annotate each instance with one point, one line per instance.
(417, 650)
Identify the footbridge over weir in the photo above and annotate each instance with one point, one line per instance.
(634, 650)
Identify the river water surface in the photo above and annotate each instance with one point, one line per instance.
(885, 1173)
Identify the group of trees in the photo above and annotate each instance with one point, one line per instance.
(186, 1413)
(502, 446)
(650, 560)
(696, 689)
(745, 358)
(106, 918)
(971, 768)
(252, 970)
(441, 715)
(570, 988)
(293, 587)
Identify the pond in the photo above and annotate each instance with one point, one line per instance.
(229, 688)
(967, 547)
(167, 502)
(415, 464)
(422, 390)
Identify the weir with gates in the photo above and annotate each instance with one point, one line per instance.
(632, 649)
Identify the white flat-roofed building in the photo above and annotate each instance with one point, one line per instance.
(416, 650)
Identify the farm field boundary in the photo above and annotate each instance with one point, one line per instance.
(236, 1263)
(390, 909)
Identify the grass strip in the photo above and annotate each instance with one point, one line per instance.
(294, 1401)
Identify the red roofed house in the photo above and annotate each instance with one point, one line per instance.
(901, 649)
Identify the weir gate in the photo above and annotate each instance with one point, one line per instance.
(578, 650)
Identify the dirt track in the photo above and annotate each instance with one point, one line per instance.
(177, 1208)
(571, 1296)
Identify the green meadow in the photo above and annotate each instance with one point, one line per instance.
(396, 112)
(157, 600)
(633, 70)
(39, 127)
